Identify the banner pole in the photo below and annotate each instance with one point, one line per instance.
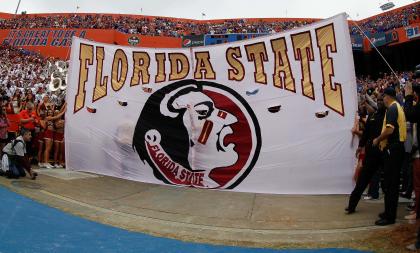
(373, 45)
(17, 7)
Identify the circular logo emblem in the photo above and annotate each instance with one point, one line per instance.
(198, 134)
(134, 40)
(187, 42)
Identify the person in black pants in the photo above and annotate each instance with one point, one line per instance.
(412, 110)
(373, 157)
(391, 142)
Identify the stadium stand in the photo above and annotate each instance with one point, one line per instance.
(173, 27)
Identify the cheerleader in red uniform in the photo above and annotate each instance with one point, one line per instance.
(49, 135)
(59, 140)
(45, 105)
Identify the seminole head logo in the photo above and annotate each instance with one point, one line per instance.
(198, 134)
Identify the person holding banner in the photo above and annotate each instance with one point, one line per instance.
(391, 142)
(373, 157)
(59, 138)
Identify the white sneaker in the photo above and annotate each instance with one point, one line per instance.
(48, 166)
(41, 165)
(411, 247)
(369, 198)
(58, 166)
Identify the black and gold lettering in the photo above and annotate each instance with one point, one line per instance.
(237, 72)
(303, 51)
(119, 70)
(283, 75)
(203, 66)
(140, 68)
(180, 66)
(333, 95)
(85, 58)
(258, 54)
(161, 75)
(101, 84)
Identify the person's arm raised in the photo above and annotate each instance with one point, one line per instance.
(59, 115)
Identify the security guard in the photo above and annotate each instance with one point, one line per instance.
(391, 142)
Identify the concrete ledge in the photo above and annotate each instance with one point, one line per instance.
(217, 217)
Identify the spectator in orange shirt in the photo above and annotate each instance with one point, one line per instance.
(29, 120)
(28, 117)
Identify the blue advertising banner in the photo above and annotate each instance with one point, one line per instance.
(392, 37)
(379, 39)
(412, 32)
(357, 42)
(214, 39)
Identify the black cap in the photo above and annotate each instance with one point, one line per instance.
(390, 92)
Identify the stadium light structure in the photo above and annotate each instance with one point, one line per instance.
(387, 6)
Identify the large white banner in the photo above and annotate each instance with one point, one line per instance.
(266, 115)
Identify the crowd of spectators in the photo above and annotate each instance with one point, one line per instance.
(369, 91)
(154, 26)
(389, 21)
(394, 164)
(159, 26)
(377, 85)
(27, 104)
(20, 68)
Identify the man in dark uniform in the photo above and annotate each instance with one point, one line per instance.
(391, 142)
(373, 157)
